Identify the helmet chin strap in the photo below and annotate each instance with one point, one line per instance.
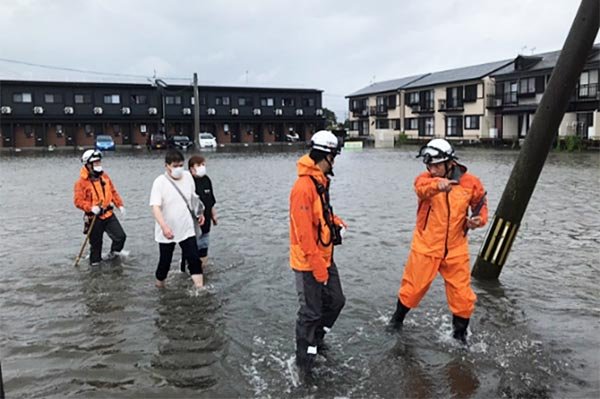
(330, 173)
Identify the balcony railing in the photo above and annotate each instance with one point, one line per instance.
(454, 104)
(587, 91)
(423, 106)
(360, 112)
(493, 101)
(379, 110)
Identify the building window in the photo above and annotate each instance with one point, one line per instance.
(308, 102)
(396, 123)
(22, 97)
(143, 128)
(222, 100)
(288, 102)
(454, 97)
(391, 101)
(471, 93)
(53, 98)
(82, 98)
(411, 124)
(225, 127)
(412, 98)
(454, 126)
(139, 99)
(112, 99)
(472, 122)
(510, 92)
(173, 100)
(382, 124)
(202, 100)
(354, 125)
(267, 102)
(245, 101)
(428, 126)
(588, 84)
(527, 86)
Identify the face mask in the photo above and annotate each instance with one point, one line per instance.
(98, 168)
(200, 170)
(177, 172)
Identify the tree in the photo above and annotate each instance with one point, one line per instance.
(330, 118)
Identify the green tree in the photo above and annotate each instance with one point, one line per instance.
(330, 118)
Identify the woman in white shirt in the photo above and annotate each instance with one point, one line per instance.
(171, 199)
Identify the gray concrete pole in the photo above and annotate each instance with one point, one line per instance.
(538, 142)
(1, 384)
(196, 112)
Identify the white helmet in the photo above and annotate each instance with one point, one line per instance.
(325, 141)
(90, 156)
(437, 151)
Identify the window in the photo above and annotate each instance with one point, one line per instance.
(391, 101)
(510, 92)
(22, 97)
(53, 98)
(139, 99)
(354, 125)
(172, 100)
(225, 127)
(308, 102)
(471, 93)
(454, 97)
(396, 123)
(454, 126)
(588, 84)
(382, 124)
(471, 121)
(112, 99)
(527, 86)
(245, 101)
(202, 100)
(288, 102)
(222, 100)
(267, 102)
(411, 124)
(412, 98)
(83, 98)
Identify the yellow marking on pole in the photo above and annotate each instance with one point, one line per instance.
(509, 243)
(500, 242)
(488, 251)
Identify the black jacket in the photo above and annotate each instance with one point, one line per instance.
(205, 192)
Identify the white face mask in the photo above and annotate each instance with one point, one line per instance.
(177, 172)
(200, 170)
(97, 168)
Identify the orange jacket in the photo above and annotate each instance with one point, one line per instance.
(441, 217)
(101, 192)
(306, 221)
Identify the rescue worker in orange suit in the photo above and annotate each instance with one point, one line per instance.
(96, 195)
(445, 193)
(314, 230)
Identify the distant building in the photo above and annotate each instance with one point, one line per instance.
(495, 100)
(43, 113)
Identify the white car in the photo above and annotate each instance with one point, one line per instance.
(207, 140)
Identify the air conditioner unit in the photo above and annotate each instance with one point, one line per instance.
(319, 112)
(278, 111)
(235, 111)
(187, 111)
(38, 110)
(256, 111)
(69, 110)
(299, 112)
(493, 132)
(152, 111)
(211, 111)
(6, 110)
(126, 110)
(98, 111)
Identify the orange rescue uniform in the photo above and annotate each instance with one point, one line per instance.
(100, 192)
(439, 243)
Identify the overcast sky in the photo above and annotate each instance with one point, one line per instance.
(336, 46)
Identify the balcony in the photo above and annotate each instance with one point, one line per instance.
(422, 107)
(379, 110)
(360, 112)
(493, 101)
(454, 104)
(588, 92)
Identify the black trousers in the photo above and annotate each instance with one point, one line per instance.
(115, 232)
(320, 306)
(189, 251)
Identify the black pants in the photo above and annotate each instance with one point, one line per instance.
(113, 228)
(189, 250)
(320, 306)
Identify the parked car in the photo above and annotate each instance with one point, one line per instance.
(292, 137)
(207, 140)
(104, 142)
(180, 142)
(158, 140)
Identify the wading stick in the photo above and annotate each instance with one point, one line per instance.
(87, 237)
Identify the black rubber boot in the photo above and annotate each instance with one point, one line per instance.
(459, 328)
(322, 347)
(398, 318)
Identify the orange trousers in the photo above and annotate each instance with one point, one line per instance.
(421, 270)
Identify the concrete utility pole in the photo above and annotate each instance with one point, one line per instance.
(538, 142)
(196, 112)
(1, 384)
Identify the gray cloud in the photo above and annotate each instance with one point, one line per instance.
(338, 46)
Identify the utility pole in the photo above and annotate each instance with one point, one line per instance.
(538, 142)
(1, 384)
(196, 112)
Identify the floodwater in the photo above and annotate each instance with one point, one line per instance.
(108, 332)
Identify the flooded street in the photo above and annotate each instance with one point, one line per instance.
(108, 332)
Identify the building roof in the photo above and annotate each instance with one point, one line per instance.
(459, 74)
(547, 61)
(386, 85)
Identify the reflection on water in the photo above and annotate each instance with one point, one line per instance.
(109, 332)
